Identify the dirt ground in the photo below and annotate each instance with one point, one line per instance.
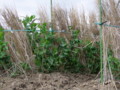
(53, 81)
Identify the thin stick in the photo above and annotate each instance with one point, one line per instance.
(51, 21)
(101, 42)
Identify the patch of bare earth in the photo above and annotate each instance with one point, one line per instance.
(53, 81)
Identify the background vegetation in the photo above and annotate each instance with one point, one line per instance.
(74, 50)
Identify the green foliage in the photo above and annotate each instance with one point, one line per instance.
(1, 33)
(92, 57)
(25, 66)
(56, 54)
(29, 23)
(114, 64)
(4, 58)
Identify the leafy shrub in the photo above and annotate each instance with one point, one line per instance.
(56, 54)
(92, 57)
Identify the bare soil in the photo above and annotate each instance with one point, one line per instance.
(53, 81)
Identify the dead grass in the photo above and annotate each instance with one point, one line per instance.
(110, 37)
(18, 43)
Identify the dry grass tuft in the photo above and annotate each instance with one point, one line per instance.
(18, 43)
(63, 18)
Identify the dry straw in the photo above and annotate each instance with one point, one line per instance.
(111, 38)
(18, 43)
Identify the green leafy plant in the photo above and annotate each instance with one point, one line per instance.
(4, 57)
(114, 64)
(56, 54)
(25, 66)
(92, 57)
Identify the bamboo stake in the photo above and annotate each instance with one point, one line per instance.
(51, 21)
(101, 41)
